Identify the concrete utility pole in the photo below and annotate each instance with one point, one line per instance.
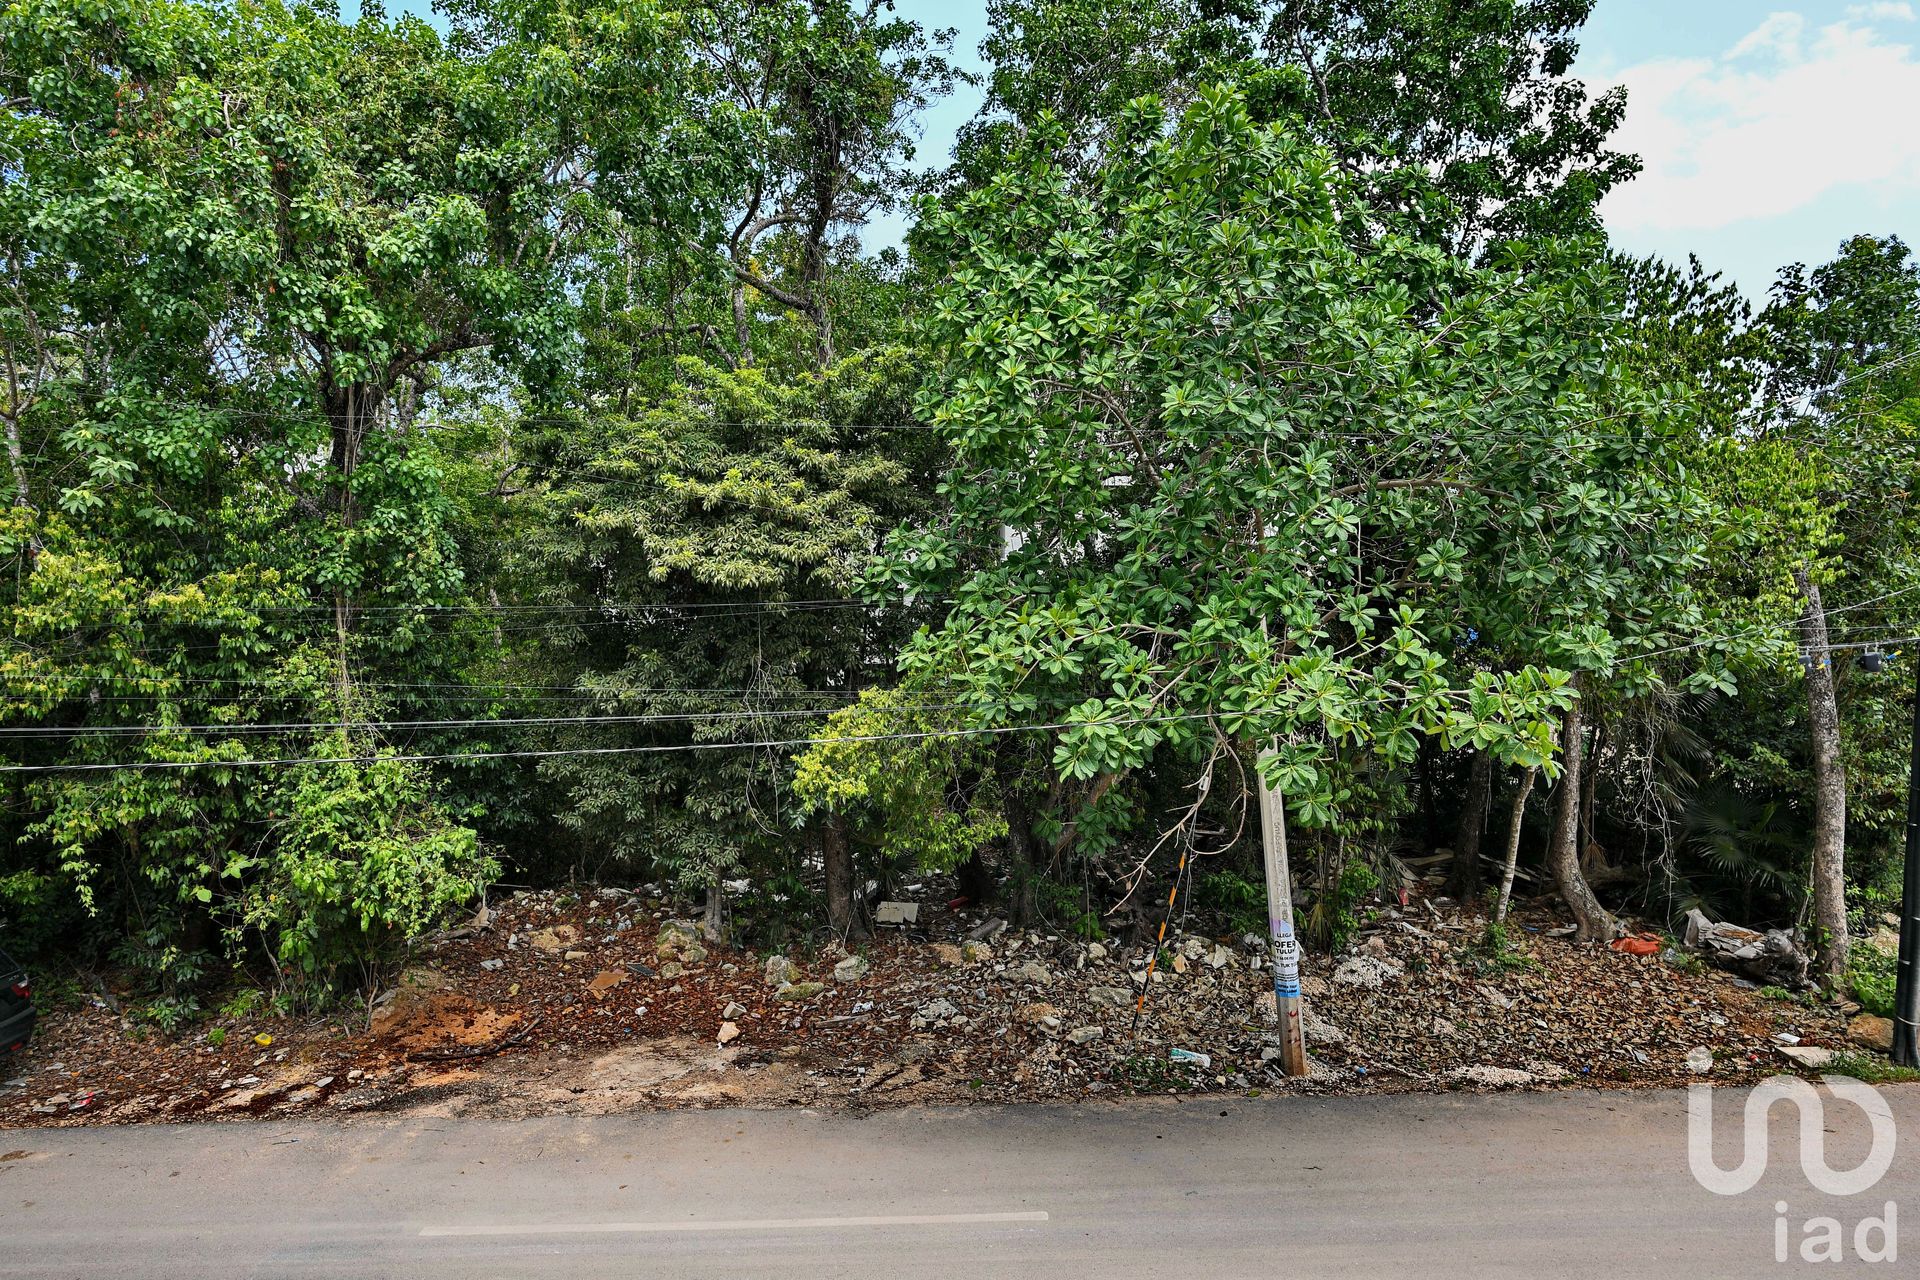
(1286, 949)
(1906, 983)
(1906, 989)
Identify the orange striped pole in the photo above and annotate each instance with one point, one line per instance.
(1159, 944)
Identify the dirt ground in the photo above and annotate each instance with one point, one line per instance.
(597, 1001)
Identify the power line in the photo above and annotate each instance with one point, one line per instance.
(1761, 628)
(673, 717)
(310, 614)
(141, 765)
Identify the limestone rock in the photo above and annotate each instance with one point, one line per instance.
(1492, 1077)
(1033, 972)
(558, 938)
(1367, 972)
(1872, 1033)
(1035, 1014)
(1806, 1056)
(1319, 1031)
(852, 969)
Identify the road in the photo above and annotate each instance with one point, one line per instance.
(1584, 1184)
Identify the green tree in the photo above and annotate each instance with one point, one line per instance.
(1220, 475)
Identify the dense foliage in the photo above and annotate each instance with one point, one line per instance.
(503, 446)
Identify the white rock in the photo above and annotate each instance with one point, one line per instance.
(1812, 1057)
(1492, 1077)
(1034, 972)
(852, 969)
(1319, 1031)
(1366, 972)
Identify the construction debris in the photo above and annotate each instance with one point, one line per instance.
(1772, 958)
(949, 1019)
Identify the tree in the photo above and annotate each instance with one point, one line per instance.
(1460, 123)
(1180, 409)
(711, 547)
(245, 245)
(1842, 340)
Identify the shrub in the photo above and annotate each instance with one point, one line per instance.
(1870, 972)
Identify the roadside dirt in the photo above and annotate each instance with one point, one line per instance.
(597, 1001)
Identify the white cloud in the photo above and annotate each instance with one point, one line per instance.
(1780, 33)
(1885, 11)
(1783, 118)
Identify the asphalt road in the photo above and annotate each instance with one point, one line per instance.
(1562, 1184)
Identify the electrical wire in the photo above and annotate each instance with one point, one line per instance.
(673, 717)
(658, 749)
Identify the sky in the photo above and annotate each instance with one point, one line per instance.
(1769, 132)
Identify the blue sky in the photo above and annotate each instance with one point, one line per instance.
(1770, 132)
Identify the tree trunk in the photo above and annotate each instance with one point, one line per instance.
(1023, 855)
(713, 920)
(1829, 790)
(975, 882)
(1596, 923)
(1023, 845)
(1592, 857)
(1463, 881)
(1514, 818)
(742, 333)
(22, 495)
(1423, 772)
(349, 410)
(836, 853)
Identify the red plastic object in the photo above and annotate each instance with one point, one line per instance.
(1637, 946)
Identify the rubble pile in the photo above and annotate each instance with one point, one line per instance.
(603, 1000)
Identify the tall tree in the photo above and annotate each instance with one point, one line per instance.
(1843, 340)
(1183, 409)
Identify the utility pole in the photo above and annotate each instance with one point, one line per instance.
(1906, 987)
(1286, 949)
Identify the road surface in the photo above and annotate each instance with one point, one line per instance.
(1539, 1185)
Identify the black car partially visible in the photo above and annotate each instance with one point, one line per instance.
(16, 1005)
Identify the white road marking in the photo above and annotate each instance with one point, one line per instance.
(737, 1224)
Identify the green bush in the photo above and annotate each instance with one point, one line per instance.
(1870, 972)
(365, 862)
(1239, 902)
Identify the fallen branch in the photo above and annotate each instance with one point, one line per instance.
(478, 1050)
